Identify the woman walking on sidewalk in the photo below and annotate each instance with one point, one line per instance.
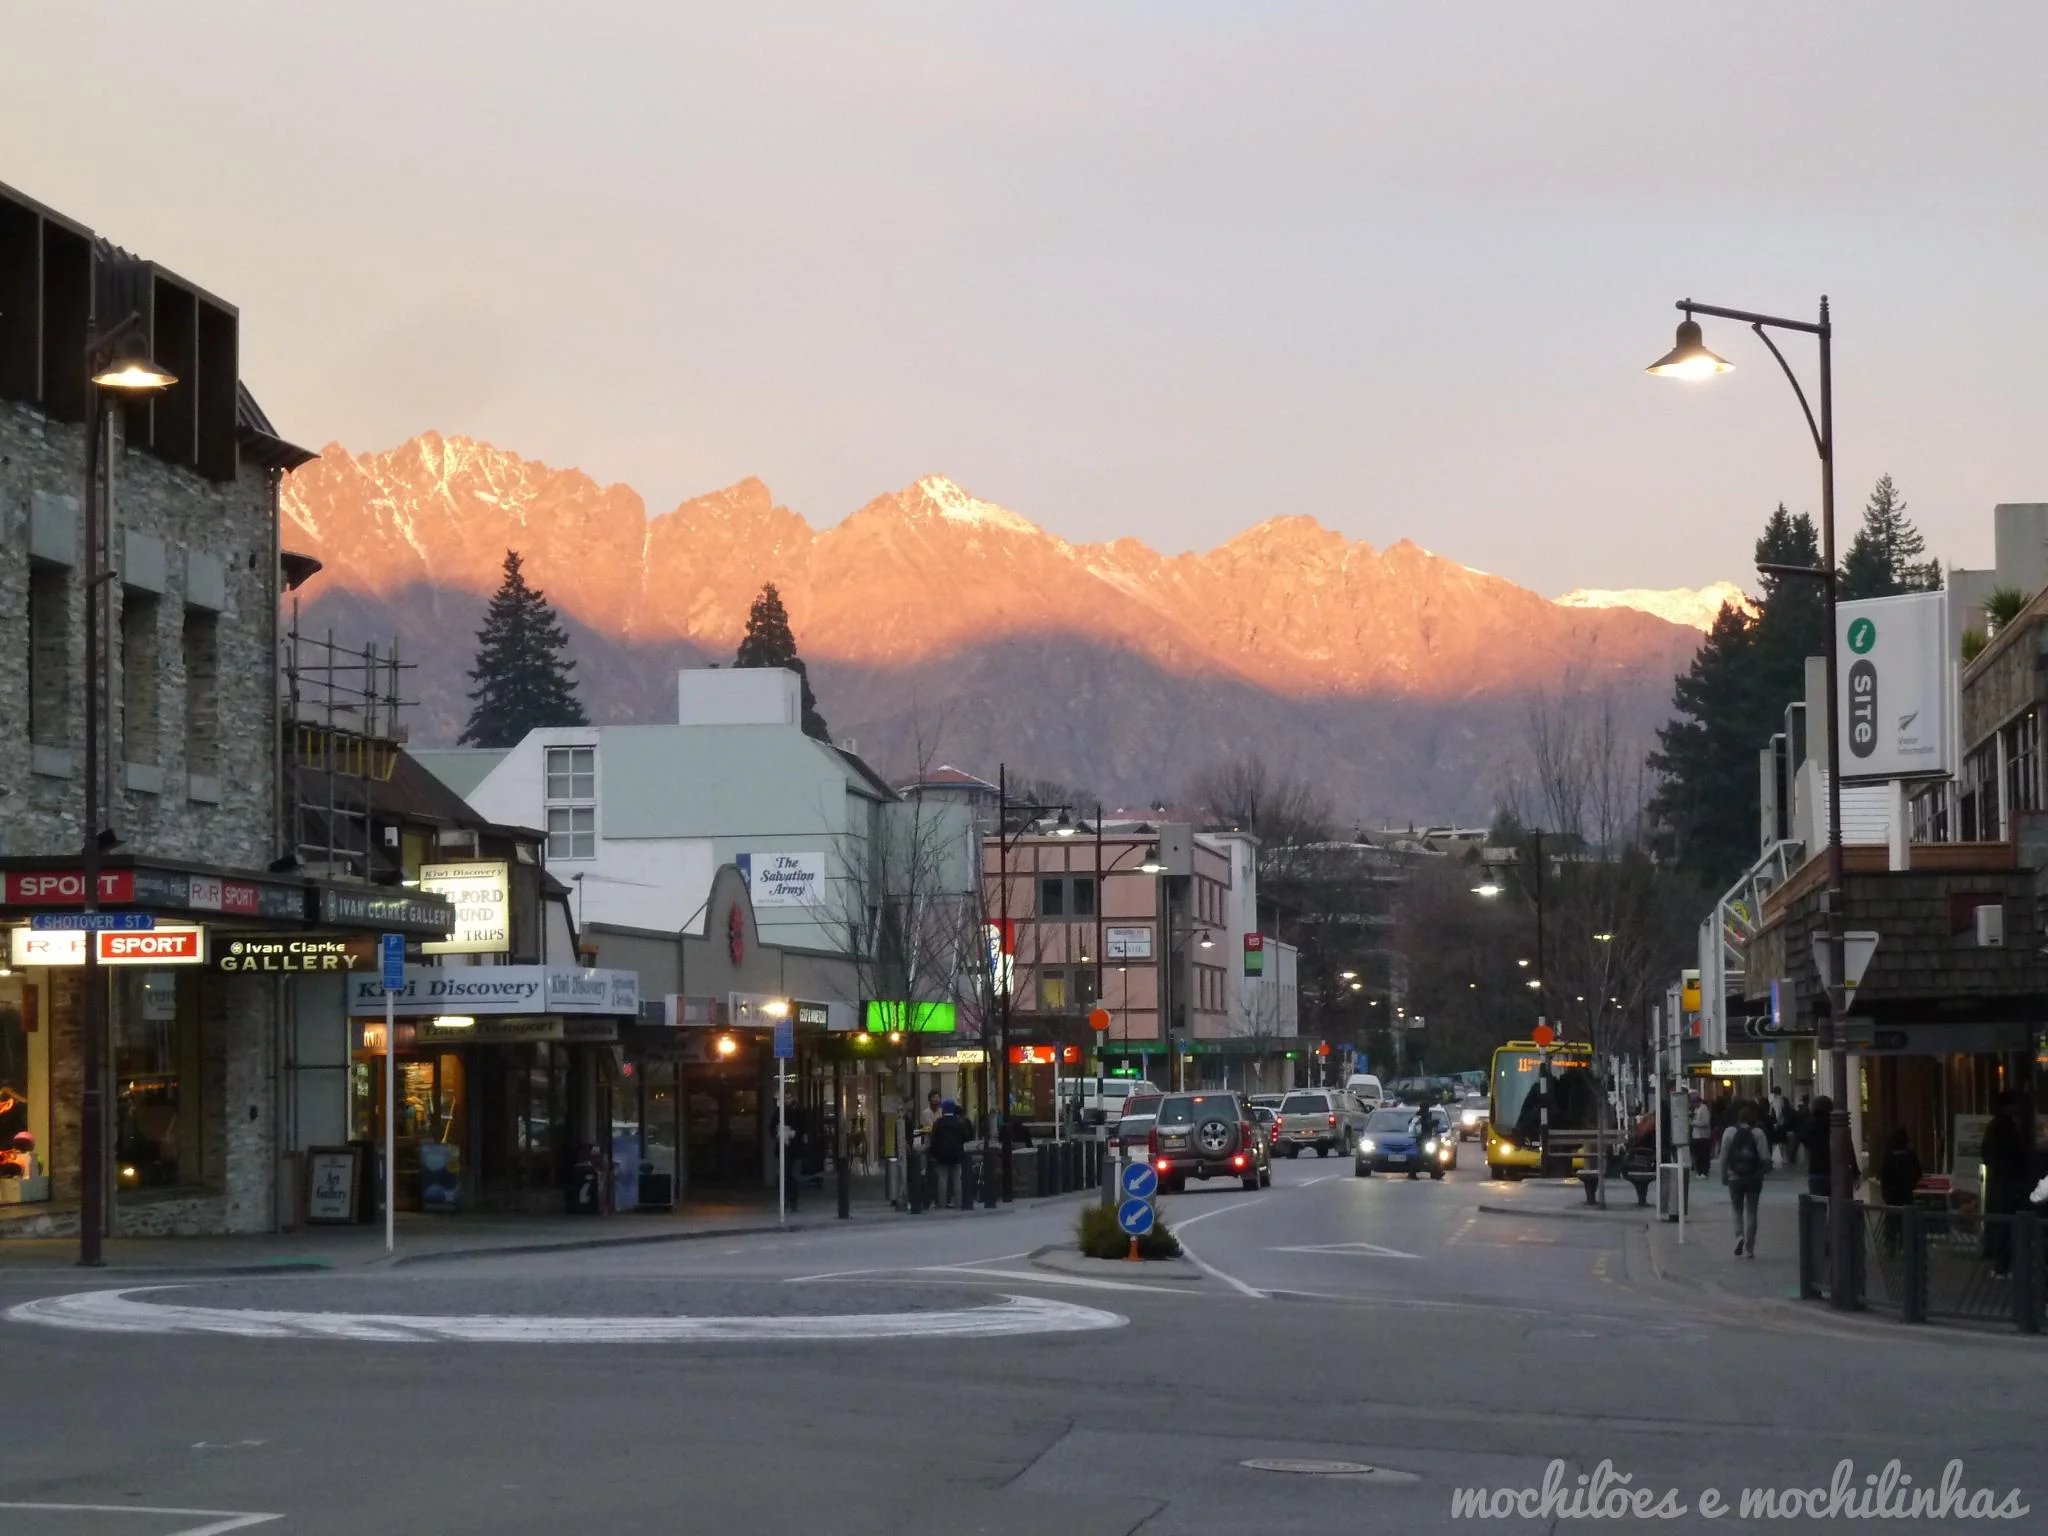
(1744, 1157)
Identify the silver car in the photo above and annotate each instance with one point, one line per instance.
(1326, 1119)
(1133, 1133)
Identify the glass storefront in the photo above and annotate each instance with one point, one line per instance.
(24, 1092)
(155, 1060)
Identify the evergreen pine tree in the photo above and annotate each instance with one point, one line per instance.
(769, 642)
(1707, 757)
(522, 677)
(1884, 557)
(1729, 704)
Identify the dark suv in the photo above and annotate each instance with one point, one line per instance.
(1208, 1136)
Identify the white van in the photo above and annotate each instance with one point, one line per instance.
(1079, 1093)
(1366, 1088)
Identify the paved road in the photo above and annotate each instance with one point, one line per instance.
(1383, 1323)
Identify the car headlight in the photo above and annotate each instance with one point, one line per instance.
(1471, 1117)
(1507, 1143)
(1367, 1144)
(1430, 1145)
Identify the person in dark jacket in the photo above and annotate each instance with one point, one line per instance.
(2005, 1179)
(950, 1134)
(1897, 1177)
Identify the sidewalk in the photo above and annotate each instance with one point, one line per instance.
(426, 1239)
(1706, 1260)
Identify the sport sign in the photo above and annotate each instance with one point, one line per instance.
(166, 944)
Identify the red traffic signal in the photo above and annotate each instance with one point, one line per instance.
(1323, 1049)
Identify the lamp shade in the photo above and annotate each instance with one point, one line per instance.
(1689, 357)
(130, 370)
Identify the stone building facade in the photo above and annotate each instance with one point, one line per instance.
(190, 742)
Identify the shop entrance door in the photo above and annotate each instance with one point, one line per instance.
(723, 1125)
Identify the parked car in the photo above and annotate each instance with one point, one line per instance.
(1471, 1117)
(1323, 1118)
(1132, 1136)
(1207, 1136)
(1407, 1140)
(1265, 1100)
(1267, 1118)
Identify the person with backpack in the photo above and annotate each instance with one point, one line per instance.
(950, 1134)
(1745, 1156)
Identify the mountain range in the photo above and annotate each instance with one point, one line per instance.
(937, 623)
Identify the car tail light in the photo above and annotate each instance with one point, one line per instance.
(1164, 1166)
(1333, 1119)
(1152, 1139)
(1237, 1161)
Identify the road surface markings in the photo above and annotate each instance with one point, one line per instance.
(1351, 1250)
(219, 1521)
(1204, 1265)
(903, 1269)
(116, 1312)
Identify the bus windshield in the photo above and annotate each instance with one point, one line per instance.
(1518, 1106)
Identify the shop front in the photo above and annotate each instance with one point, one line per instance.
(507, 1077)
(193, 998)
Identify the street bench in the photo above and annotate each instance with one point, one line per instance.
(1641, 1178)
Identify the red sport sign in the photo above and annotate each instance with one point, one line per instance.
(63, 887)
(162, 945)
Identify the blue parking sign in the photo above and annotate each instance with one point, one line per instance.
(392, 952)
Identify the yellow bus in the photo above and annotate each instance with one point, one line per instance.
(1518, 1140)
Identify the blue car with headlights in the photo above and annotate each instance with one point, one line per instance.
(1406, 1140)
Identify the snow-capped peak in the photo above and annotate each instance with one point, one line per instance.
(1693, 607)
(957, 506)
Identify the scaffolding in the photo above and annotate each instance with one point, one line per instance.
(343, 737)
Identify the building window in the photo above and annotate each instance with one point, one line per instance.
(1063, 990)
(139, 657)
(1980, 795)
(572, 832)
(1066, 896)
(49, 655)
(572, 774)
(2023, 763)
(571, 793)
(202, 693)
(156, 1076)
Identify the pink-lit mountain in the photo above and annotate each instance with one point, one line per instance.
(1400, 678)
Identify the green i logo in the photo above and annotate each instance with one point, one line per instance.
(1862, 636)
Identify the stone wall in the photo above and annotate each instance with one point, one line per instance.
(199, 542)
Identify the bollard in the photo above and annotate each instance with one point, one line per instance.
(1105, 1178)
(991, 1180)
(913, 1182)
(1912, 1266)
(845, 1180)
(968, 1182)
(2026, 1271)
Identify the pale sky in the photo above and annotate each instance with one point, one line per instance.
(1159, 269)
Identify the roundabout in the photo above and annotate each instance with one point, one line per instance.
(927, 1316)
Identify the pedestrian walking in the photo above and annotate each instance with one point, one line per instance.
(2005, 1179)
(1702, 1137)
(1745, 1156)
(1898, 1175)
(950, 1134)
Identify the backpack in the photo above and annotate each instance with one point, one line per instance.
(1745, 1166)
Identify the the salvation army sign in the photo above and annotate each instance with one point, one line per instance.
(783, 879)
(500, 989)
(1898, 687)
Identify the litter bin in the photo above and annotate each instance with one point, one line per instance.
(1024, 1175)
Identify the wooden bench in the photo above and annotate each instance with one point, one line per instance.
(1641, 1177)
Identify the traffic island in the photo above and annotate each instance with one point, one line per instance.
(1101, 1235)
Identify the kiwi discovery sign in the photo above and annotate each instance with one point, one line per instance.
(1898, 687)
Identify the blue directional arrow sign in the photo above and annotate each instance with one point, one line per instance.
(93, 922)
(1138, 1181)
(1135, 1217)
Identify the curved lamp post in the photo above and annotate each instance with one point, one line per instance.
(1690, 359)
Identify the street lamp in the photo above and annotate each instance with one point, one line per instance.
(1149, 865)
(1007, 975)
(1690, 359)
(117, 362)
